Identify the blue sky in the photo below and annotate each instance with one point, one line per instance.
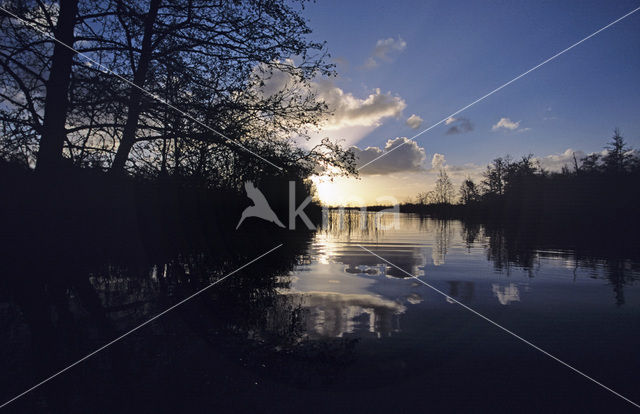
(455, 52)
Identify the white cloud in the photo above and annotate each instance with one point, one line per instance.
(506, 123)
(384, 46)
(349, 110)
(555, 162)
(346, 109)
(450, 120)
(384, 50)
(408, 156)
(414, 121)
(437, 161)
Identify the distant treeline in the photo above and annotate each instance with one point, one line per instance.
(601, 188)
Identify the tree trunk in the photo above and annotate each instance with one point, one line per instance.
(57, 89)
(135, 97)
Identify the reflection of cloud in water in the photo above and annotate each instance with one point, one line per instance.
(361, 262)
(380, 269)
(335, 314)
(414, 298)
(506, 294)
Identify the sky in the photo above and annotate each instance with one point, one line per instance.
(403, 66)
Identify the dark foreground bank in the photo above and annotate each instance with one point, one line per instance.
(88, 214)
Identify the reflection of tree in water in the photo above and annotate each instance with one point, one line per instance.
(469, 233)
(507, 247)
(442, 237)
(461, 290)
(442, 232)
(523, 245)
(349, 223)
(56, 313)
(369, 229)
(619, 272)
(618, 278)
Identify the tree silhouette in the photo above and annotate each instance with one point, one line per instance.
(494, 176)
(618, 158)
(600, 188)
(241, 68)
(443, 192)
(469, 191)
(56, 101)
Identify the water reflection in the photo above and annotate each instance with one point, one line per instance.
(506, 294)
(335, 314)
(302, 317)
(52, 314)
(443, 234)
(461, 290)
(346, 290)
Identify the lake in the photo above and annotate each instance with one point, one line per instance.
(333, 321)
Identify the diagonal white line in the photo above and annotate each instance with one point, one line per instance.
(501, 327)
(137, 327)
(503, 85)
(152, 95)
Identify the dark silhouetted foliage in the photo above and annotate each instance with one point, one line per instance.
(598, 191)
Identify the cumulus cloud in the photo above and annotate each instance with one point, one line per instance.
(414, 121)
(506, 123)
(347, 110)
(403, 155)
(384, 51)
(458, 126)
(437, 161)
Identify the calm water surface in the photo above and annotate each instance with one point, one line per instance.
(333, 327)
